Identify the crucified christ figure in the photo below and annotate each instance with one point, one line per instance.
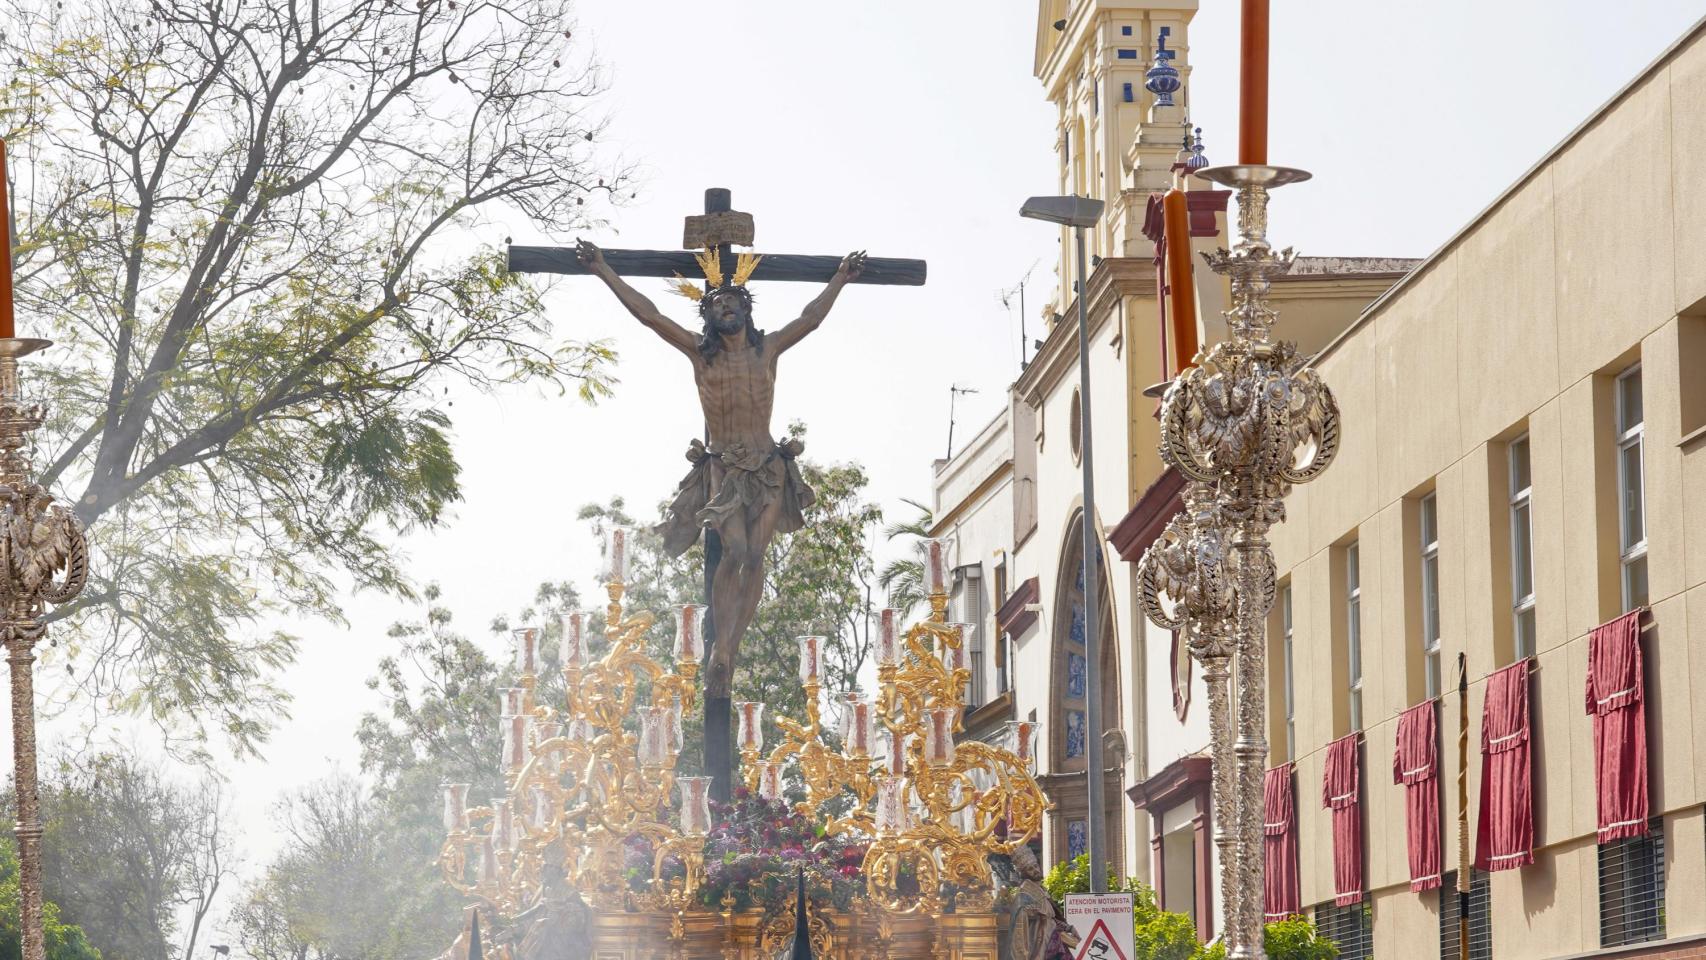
(744, 484)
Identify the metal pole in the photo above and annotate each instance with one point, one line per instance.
(22, 631)
(1092, 601)
(1463, 868)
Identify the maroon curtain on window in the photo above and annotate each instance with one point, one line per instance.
(1339, 790)
(1282, 894)
(1415, 764)
(1504, 831)
(1617, 701)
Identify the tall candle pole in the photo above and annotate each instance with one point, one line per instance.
(1253, 84)
(1182, 294)
(7, 328)
(56, 544)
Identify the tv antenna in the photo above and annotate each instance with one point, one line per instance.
(1006, 297)
(953, 396)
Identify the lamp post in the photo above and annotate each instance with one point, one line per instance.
(1080, 213)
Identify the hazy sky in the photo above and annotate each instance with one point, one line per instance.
(915, 129)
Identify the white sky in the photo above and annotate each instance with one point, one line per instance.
(915, 129)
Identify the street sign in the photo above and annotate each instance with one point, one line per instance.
(1103, 924)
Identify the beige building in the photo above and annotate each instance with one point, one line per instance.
(1524, 459)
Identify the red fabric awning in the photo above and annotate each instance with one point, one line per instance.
(1281, 892)
(1340, 790)
(1616, 699)
(1415, 764)
(1504, 832)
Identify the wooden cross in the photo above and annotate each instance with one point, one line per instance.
(721, 227)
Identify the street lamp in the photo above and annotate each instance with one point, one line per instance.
(1080, 213)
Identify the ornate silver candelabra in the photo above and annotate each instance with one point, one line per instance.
(39, 541)
(1245, 422)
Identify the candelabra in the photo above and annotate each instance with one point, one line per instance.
(935, 809)
(587, 780)
(1245, 422)
(39, 541)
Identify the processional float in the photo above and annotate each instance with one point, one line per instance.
(591, 779)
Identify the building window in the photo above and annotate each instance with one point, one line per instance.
(1077, 839)
(1350, 928)
(1128, 54)
(1480, 917)
(1003, 682)
(1125, 31)
(1125, 91)
(1430, 594)
(1290, 685)
(972, 612)
(1631, 489)
(1353, 632)
(1632, 888)
(1522, 548)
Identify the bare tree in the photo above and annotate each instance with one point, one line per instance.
(249, 224)
(134, 857)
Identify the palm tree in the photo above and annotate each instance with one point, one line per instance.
(903, 578)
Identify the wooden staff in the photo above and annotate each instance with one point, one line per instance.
(7, 327)
(1182, 293)
(1253, 84)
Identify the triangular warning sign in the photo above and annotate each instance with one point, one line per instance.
(1100, 945)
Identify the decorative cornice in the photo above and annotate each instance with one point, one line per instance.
(1012, 619)
(1187, 778)
(1148, 517)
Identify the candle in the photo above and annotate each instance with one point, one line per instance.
(888, 637)
(544, 730)
(578, 730)
(511, 701)
(897, 753)
(526, 650)
(695, 805)
(1253, 84)
(616, 555)
(503, 824)
(488, 860)
(6, 324)
(891, 804)
(953, 646)
(689, 632)
(541, 816)
(811, 660)
(654, 737)
(515, 742)
(672, 725)
(1181, 288)
(1024, 736)
(939, 736)
(861, 727)
(770, 780)
(751, 716)
(571, 646)
(455, 807)
(933, 556)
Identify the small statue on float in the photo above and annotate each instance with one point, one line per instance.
(1036, 928)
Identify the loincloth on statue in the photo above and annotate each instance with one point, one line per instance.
(751, 481)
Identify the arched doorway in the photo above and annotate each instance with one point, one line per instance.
(1069, 731)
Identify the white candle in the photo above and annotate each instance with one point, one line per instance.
(503, 824)
(571, 647)
(541, 817)
(891, 804)
(888, 637)
(689, 632)
(488, 860)
(811, 659)
(673, 721)
(526, 650)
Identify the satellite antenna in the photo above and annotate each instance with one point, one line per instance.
(1006, 297)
